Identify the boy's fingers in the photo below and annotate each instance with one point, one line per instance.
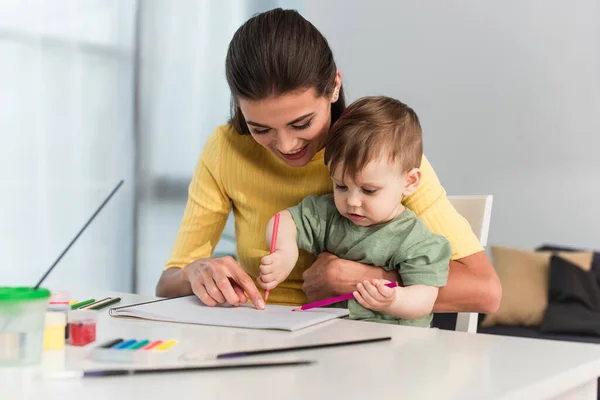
(373, 291)
(365, 293)
(384, 290)
(266, 269)
(268, 259)
(268, 278)
(360, 299)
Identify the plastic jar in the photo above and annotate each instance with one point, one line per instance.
(22, 318)
(54, 333)
(82, 327)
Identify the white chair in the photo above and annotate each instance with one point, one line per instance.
(477, 210)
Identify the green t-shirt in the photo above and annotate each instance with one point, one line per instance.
(404, 244)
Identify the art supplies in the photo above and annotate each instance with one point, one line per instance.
(189, 309)
(22, 321)
(82, 304)
(78, 234)
(105, 304)
(273, 244)
(332, 300)
(87, 307)
(82, 327)
(54, 330)
(248, 353)
(138, 351)
(22, 312)
(210, 367)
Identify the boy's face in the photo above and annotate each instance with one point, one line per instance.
(374, 196)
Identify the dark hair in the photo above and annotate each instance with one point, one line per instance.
(277, 52)
(372, 127)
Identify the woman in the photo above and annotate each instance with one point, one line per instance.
(286, 93)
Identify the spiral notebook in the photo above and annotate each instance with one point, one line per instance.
(190, 310)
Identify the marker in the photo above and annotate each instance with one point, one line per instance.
(166, 345)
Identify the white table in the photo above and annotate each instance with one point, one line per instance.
(417, 364)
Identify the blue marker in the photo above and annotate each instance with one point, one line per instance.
(125, 344)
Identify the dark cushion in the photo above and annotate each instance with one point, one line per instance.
(573, 300)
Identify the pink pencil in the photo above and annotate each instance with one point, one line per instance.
(336, 299)
(273, 244)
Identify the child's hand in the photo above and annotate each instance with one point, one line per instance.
(375, 295)
(275, 268)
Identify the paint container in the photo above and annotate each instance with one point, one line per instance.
(82, 327)
(54, 333)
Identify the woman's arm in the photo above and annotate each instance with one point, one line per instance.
(473, 285)
(203, 220)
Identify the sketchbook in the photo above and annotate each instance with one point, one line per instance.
(191, 310)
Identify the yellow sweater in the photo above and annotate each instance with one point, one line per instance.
(236, 173)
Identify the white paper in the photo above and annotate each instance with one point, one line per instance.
(191, 310)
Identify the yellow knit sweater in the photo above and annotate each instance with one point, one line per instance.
(237, 174)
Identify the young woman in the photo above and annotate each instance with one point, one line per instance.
(286, 93)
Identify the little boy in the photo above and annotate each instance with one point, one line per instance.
(373, 153)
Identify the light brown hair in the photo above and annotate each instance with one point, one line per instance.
(278, 52)
(373, 127)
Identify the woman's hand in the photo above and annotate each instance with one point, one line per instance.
(221, 280)
(331, 276)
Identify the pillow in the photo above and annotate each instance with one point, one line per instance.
(574, 300)
(524, 278)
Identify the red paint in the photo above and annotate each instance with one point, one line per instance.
(82, 333)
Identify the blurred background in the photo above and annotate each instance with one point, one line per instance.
(94, 91)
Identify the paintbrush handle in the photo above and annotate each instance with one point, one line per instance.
(337, 299)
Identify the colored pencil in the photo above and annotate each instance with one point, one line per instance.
(299, 348)
(94, 303)
(139, 345)
(110, 344)
(82, 304)
(152, 345)
(117, 372)
(105, 304)
(336, 299)
(165, 345)
(124, 345)
(273, 245)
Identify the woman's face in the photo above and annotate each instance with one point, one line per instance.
(293, 126)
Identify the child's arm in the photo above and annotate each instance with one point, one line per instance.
(276, 267)
(410, 302)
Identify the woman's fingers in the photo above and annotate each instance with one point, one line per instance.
(240, 293)
(245, 282)
(202, 294)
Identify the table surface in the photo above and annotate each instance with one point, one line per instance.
(416, 364)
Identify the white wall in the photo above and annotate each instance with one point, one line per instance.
(66, 139)
(508, 94)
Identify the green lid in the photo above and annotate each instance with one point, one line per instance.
(23, 294)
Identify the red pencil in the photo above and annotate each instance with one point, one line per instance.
(273, 244)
